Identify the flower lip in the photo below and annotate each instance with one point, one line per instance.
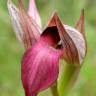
(44, 60)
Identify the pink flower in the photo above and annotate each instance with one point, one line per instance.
(40, 63)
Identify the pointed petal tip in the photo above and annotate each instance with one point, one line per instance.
(55, 13)
(82, 13)
(9, 1)
(80, 23)
(53, 19)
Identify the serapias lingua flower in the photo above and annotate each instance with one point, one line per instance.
(44, 48)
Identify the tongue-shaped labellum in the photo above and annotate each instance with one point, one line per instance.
(40, 67)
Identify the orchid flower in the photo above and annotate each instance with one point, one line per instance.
(45, 48)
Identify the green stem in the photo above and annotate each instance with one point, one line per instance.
(68, 79)
(54, 90)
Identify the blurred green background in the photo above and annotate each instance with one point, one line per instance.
(11, 51)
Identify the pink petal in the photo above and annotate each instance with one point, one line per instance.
(39, 68)
(33, 12)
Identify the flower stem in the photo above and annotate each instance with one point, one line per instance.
(54, 90)
(68, 79)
